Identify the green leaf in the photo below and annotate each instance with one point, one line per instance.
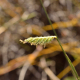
(69, 78)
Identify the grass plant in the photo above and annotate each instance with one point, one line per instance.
(69, 61)
(47, 39)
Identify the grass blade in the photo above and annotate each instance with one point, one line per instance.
(69, 61)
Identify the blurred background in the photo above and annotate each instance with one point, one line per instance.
(21, 19)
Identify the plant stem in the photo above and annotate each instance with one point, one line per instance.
(69, 61)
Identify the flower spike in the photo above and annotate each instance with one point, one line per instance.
(39, 40)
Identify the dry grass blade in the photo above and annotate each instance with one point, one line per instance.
(9, 8)
(14, 21)
(43, 65)
(9, 23)
(13, 64)
(28, 63)
(71, 23)
(67, 69)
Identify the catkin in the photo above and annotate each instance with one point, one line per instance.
(39, 40)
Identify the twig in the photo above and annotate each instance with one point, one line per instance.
(24, 70)
(47, 70)
(14, 21)
(28, 63)
(35, 72)
(44, 76)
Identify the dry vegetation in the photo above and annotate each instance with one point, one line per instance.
(21, 19)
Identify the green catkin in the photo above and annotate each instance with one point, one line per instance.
(27, 40)
(39, 40)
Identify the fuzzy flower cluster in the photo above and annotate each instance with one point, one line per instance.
(39, 40)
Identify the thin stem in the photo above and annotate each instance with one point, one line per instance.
(69, 61)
